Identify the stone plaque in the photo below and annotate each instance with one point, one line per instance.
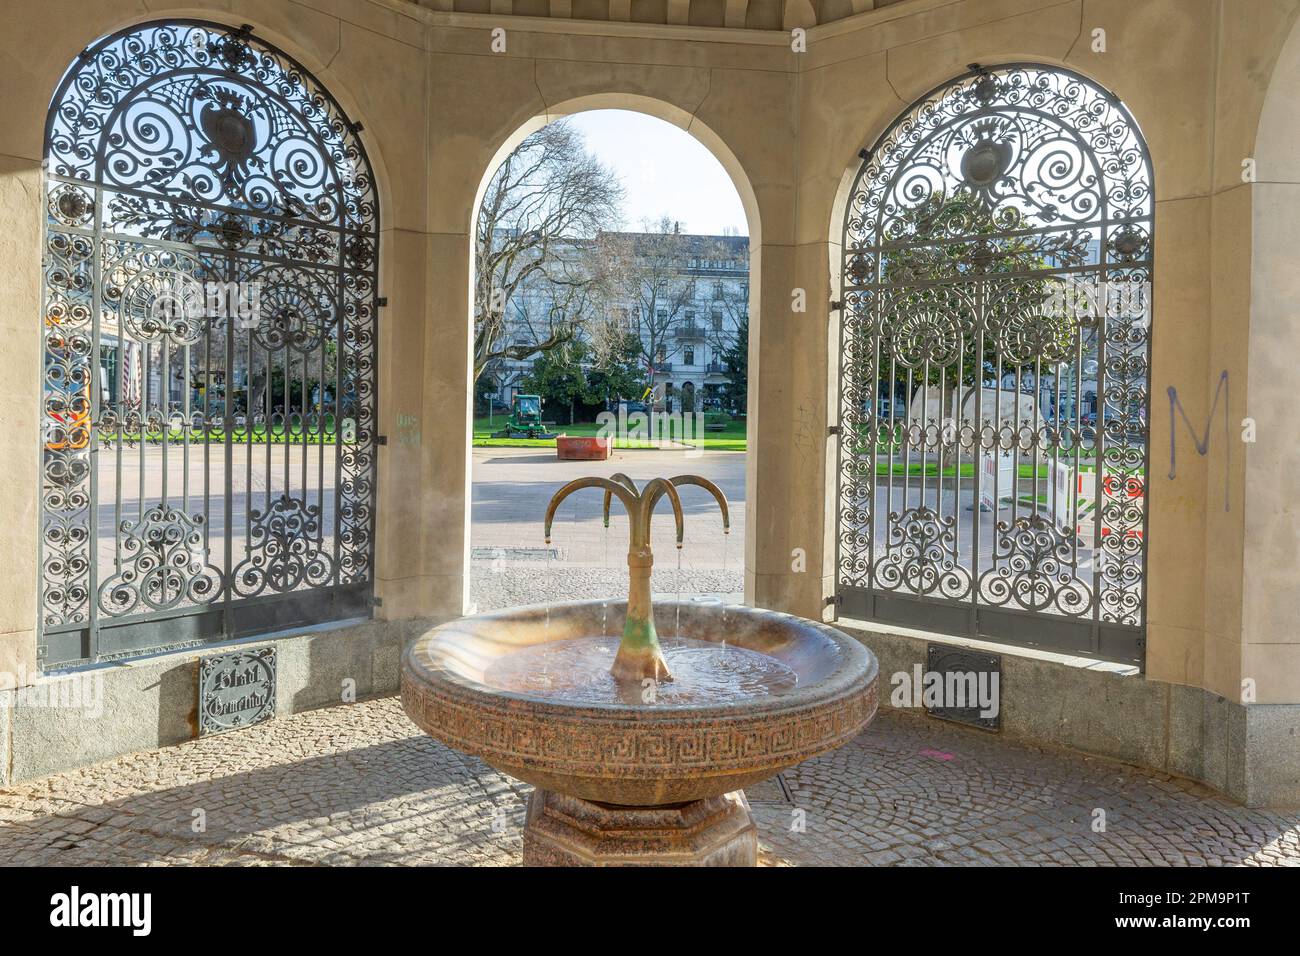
(976, 679)
(236, 690)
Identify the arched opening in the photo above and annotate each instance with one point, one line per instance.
(994, 373)
(653, 358)
(211, 268)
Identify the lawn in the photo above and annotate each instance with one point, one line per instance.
(731, 439)
(898, 469)
(257, 435)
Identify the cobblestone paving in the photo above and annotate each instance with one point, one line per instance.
(358, 784)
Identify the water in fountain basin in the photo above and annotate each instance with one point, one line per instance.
(577, 671)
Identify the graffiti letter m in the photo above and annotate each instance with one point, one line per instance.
(1202, 442)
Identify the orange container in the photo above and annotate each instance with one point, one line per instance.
(582, 448)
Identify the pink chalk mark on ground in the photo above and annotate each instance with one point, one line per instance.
(936, 754)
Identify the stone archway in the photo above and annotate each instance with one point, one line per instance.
(671, 398)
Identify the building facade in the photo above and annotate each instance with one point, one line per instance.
(687, 313)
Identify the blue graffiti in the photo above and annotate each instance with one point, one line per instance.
(1202, 443)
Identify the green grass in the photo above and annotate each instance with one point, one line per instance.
(1027, 501)
(731, 439)
(259, 436)
(898, 469)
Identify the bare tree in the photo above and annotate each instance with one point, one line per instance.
(649, 270)
(541, 211)
(733, 298)
(609, 334)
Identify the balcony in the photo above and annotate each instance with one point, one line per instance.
(690, 333)
(716, 372)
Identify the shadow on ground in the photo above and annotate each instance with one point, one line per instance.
(358, 785)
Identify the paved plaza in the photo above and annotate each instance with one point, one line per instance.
(358, 784)
(512, 487)
(512, 565)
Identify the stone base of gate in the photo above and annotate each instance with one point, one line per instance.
(1248, 752)
(114, 709)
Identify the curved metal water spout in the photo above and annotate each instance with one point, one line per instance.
(639, 654)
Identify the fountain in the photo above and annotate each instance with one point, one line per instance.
(639, 748)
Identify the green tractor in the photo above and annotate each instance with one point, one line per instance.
(525, 419)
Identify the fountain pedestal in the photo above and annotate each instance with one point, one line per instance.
(564, 830)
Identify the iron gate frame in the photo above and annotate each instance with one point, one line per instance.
(1094, 637)
(356, 235)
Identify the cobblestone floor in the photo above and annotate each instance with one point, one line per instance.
(358, 784)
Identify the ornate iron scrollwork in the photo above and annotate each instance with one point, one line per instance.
(210, 291)
(164, 564)
(918, 555)
(287, 552)
(993, 450)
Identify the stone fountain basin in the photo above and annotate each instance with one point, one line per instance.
(638, 754)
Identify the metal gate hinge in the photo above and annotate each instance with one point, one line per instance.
(833, 430)
(837, 304)
(381, 302)
(835, 600)
(381, 440)
(373, 601)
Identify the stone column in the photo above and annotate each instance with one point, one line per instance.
(20, 427)
(423, 484)
(1268, 586)
(787, 490)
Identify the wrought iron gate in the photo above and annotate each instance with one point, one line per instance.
(994, 377)
(209, 365)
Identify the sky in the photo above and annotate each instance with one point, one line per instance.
(664, 170)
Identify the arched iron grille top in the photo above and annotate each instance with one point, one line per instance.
(994, 376)
(209, 394)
